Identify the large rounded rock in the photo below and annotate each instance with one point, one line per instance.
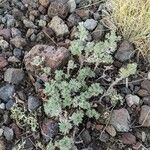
(53, 57)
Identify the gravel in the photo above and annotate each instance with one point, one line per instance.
(8, 133)
(13, 75)
(58, 26)
(90, 24)
(125, 51)
(33, 103)
(7, 92)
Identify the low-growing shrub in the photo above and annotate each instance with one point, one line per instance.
(91, 52)
(24, 118)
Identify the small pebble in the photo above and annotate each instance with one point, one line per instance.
(90, 24)
(8, 133)
(2, 106)
(132, 100)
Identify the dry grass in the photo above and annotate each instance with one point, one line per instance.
(132, 17)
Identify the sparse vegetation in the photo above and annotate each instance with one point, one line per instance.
(132, 17)
(91, 52)
(23, 118)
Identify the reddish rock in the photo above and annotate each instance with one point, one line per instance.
(144, 119)
(44, 3)
(49, 129)
(146, 85)
(120, 119)
(57, 8)
(53, 57)
(3, 62)
(138, 146)
(125, 51)
(16, 130)
(143, 93)
(111, 130)
(82, 13)
(128, 138)
(2, 145)
(5, 33)
(146, 100)
(18, 42)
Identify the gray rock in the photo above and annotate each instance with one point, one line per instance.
(125, 51)
(111, 130)
(2, 106)
(84, 14)
(2, 145)
(86, 137)
(1, 133)
(96, 16)
(90, 24)
(10, 20)
(128, 139)
(18, 42)
(3, 62)
(3, 44)
(7, 92)
(5, 33)
(29, 24)
(33, 103)
(10, 104)
(132, 100)
(18, 53)
(8, 133)
(78, 1)
(15, 32)
(44, 3)
(13, 75)
(98, 33)
(146, 100)
(120, 119)
(49, 129)
(72, 5)
(144, 119)
(42, 23)
(58, 26)
(6, 117)
(13, 59)
(73, 19)
(104, 137)
(125, 90)
(143, 93)
(58, 8)
(146, 85)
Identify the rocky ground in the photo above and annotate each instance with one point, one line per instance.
(45, 28)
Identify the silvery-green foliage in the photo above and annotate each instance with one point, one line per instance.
(130, 69)
(115, 97)
(21, 117)
(77, 117)
(50, 146)
(91, 52)
(65, 143)
(74, 93)
(65, 126)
